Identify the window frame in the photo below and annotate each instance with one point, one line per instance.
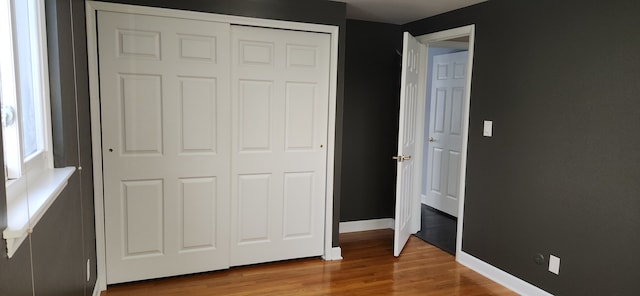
(17, 166)
(31, 192)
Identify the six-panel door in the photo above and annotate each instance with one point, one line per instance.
(165, 101)
(445, 131)
(410, 103)
(280, 105)
(211, 157)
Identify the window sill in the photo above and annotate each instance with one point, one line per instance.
(27, 203)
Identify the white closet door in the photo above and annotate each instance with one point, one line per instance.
(164, 90)
(279, 121)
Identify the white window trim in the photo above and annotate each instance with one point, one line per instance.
(44, 127)
(11, 134)
(38, 184)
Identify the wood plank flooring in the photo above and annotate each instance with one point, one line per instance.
(368, 268)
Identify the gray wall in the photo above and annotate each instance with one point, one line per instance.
(64, 239)
(560, 176)
(372, 92)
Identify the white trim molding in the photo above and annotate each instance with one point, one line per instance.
(334, 254)
(366, 225)
(497, 275)
(96, 288)
(92, 7)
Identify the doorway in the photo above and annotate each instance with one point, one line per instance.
(440, 221)
(442, 142)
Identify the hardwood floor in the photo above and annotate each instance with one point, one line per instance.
(368, 268)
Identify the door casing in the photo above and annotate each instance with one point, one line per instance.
(330, 253)
(428, 39)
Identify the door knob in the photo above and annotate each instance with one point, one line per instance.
(431, 139)
(401, 158)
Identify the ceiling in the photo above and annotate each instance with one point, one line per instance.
(401, 11)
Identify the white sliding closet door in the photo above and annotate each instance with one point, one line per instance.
(279, 121)
(165, 108)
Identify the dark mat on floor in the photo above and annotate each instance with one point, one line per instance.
(438, 229)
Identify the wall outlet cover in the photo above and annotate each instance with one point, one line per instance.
(487, 130)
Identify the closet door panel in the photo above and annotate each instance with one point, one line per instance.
(165, 105)
(280, 93)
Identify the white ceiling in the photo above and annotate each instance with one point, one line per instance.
(401, 11)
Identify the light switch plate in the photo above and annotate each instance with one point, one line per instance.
(487, 131)
(554, 264)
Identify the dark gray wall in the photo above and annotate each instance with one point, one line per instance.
(310, 11)
(64, 239)
(15, 273)
(372, 92)
(560, 175)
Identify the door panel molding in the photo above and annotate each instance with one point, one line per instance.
(445, 131)
(412, 99)
(152, 211)
(279, 98)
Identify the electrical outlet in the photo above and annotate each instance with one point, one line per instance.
(554, 264)
(88, 269)
(487, 129)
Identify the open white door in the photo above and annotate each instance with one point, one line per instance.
(411, 100)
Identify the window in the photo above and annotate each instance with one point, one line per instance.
(31, 181)
(24, 88)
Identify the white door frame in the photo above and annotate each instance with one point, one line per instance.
(92, 7)
(426, 40)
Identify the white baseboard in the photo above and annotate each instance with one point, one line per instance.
(364, 225)
(497, 275)
(334, 254)
(96, 289)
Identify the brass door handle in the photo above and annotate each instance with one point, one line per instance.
(431, 139)
(401, 158)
